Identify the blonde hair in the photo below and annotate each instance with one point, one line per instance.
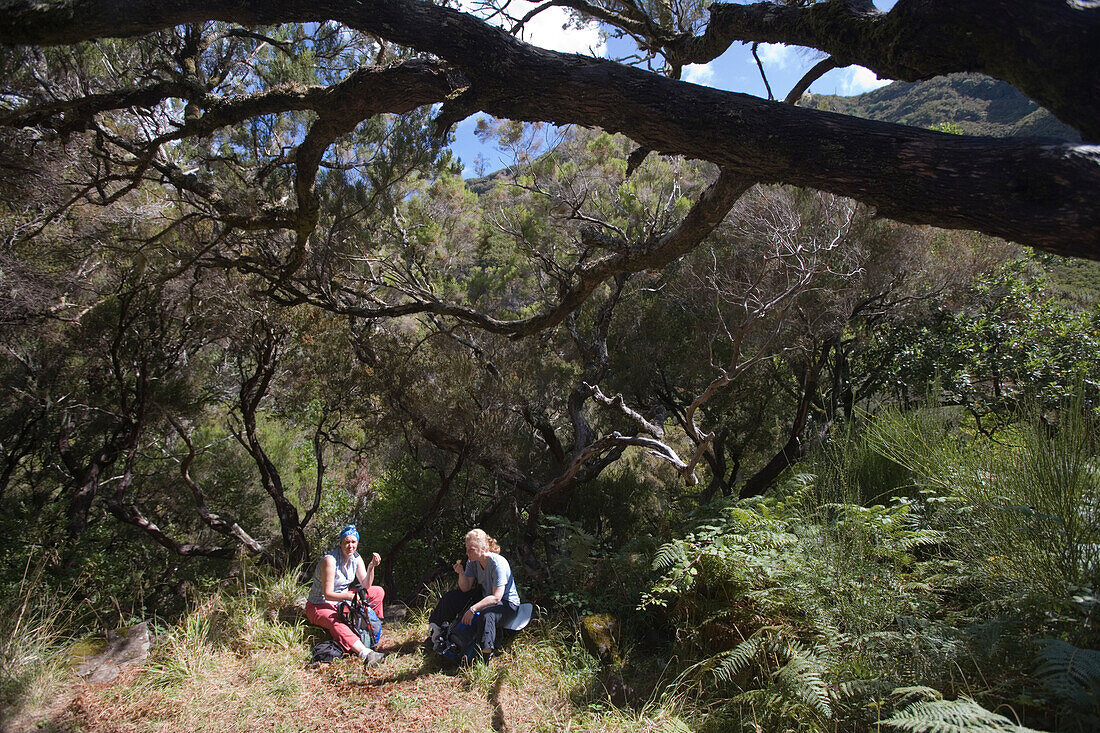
(479, 536)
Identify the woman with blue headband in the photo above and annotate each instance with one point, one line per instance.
(335, 572)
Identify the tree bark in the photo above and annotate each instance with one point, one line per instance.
(795, 447)
(252, 391)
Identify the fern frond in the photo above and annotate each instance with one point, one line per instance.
(1071, 673)
(669, 555)
(801, 678)
(952, 716)
(856, 688)
(730, 664)
(919, 692)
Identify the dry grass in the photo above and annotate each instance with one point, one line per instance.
(538, 684)
(234, 671)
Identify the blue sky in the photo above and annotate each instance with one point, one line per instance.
(734, 71)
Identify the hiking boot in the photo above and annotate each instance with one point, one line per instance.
(372, 658)
(486, 656)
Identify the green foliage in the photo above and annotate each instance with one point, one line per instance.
(952, 716)
(1029, 499)
(879, 565)
(804, 609)
(591, 573)
(976, 104)
(401, 496)
(1012, 344)
(851, 470)
(1072, 675)
(949, 127)
(779, 679)
(243, 621)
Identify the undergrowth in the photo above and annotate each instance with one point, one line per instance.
(913, 577)
(807, 610)
(35, 641)
(232, 664)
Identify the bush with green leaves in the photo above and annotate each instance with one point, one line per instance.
(1009, 340)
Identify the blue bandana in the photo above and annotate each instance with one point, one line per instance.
(349, 531)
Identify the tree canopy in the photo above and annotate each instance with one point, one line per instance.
(181, 175)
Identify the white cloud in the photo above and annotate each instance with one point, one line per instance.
(776, 54)
(857, 80)
(552, 29)
(698, 73)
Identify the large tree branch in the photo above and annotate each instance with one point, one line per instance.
(72, 115)
(130, 513)
(1041, 195)
(265, 350)
(365, 93)
(220, 524)
(340, 108)
(1042, 47)
(612, 441)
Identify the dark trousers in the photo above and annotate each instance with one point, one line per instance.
(455, 602)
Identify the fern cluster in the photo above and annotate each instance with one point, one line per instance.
(810, 610)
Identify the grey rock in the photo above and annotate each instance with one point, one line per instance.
(124, 646)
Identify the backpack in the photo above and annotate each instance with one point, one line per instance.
(327, 651)
(458, 641)
(362, 619)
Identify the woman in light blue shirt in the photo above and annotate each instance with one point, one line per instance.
(486, 589)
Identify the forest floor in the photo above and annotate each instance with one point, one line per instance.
(536, 684)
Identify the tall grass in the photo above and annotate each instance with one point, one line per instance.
(34, 641)
(1023, 514)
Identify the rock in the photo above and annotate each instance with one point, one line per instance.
(600, 634)
(124, 646)
(395, 611)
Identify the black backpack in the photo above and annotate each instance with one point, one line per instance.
(458, 641)
(326, 652)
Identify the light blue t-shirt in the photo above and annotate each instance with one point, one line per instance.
(496, 573)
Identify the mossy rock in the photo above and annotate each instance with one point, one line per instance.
(125, 646)
(600, 633)
(84, 649)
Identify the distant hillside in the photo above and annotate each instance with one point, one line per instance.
(485, 183)
(977, 104)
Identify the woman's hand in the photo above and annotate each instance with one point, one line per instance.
(375, 560)
(459, 567)
(468, 617)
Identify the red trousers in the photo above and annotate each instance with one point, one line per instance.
(326, 616)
